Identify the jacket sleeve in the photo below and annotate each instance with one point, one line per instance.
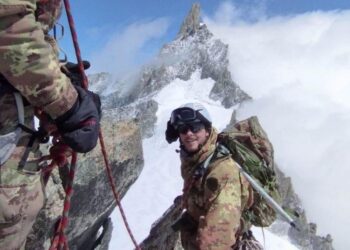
(29, 62)
(223, 199)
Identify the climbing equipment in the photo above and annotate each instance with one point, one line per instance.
(59, 154)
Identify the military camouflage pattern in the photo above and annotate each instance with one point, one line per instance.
(21, 198)
(21, 192)
(254, 152)
(29, 63)
(28, 60)
(47, 13)
(216, 200)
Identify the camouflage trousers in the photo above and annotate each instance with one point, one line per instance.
(21, 190)
(21, 198)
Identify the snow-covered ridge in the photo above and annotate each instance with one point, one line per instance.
(198, 49)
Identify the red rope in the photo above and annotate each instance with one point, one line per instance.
(60, 241)
(58, 154)
(75, 42)
(115, 193)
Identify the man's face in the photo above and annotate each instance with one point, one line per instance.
(192, 136)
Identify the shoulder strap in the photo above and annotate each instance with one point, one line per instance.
(223, 150)
(201, 169)
(9, 141)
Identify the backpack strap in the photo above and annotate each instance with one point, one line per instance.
(221, 149)
(197, 174)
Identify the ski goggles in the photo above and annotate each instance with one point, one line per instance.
(193, 127)
(185, 115)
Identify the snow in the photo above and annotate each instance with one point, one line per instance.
(160, 181)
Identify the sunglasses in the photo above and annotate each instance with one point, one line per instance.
(194, 127)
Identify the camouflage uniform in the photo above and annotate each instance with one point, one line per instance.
(215, 201)
(28, 60)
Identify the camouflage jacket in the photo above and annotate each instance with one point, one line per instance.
(27, 59)
(217, 199)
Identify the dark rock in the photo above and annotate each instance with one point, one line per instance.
(92, 201)
(143, 113)
(105, 237)
(162, 236)
(191, 23)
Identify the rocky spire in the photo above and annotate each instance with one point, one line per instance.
(192, 22)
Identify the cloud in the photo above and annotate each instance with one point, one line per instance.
(121, 52)
(228, 13)
(297, 70)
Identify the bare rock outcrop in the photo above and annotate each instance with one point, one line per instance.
(92, 201)
(195, 48)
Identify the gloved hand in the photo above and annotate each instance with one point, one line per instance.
(80, 125)
(171, 134)
(72, 71)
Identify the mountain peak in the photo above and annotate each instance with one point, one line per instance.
(191, 23)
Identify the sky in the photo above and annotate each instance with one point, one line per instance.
(140, 28)
(291, 56)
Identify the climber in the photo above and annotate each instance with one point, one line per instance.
(31, 77)
(215, 193)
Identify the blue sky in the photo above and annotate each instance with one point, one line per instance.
(98, 24)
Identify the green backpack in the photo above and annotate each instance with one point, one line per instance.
(250, 148)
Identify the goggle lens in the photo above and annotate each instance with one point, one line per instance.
(194, 127)
(183, 115)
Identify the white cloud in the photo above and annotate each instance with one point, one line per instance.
(121, 53)
(227, 13)
(297, 70)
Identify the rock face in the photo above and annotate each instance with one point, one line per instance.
(161, 236)
(92, 200)
(143, 113)
(194, 48)
(306, 237)
(99, 82)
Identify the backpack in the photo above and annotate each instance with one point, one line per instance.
(252, 150)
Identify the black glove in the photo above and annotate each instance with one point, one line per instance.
(72, 71)
(171, 134)
(80, 125)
